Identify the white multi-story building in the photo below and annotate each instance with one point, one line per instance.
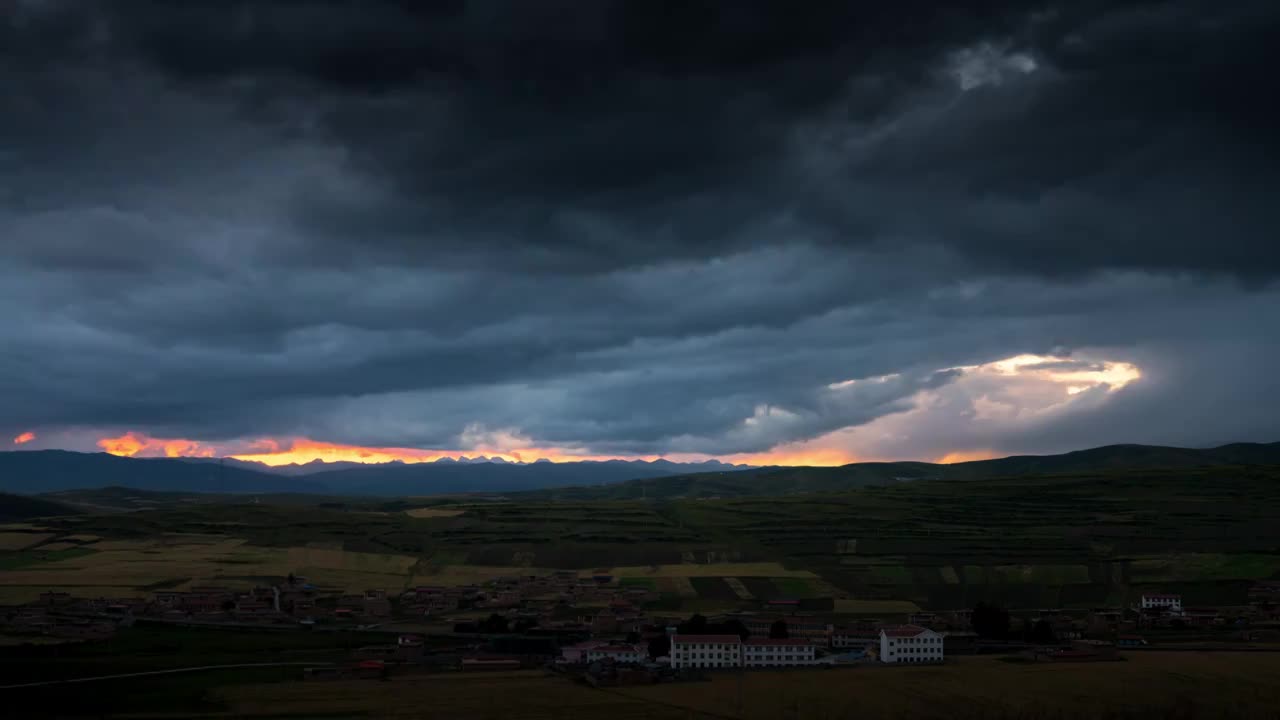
(774, 652)
(1172, 603)
(706, 651)
(910, 644)
(621, 653)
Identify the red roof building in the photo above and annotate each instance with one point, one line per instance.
(903, 631)
(705, 639)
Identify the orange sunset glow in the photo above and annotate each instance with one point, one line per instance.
(270, 451)
(24, 438)
(131, 444)
(793, 454)
(960, 456)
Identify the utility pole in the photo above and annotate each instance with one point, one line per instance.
(740, 673)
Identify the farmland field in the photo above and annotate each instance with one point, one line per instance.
(21, 540)
(184, 560)
(639, 582)
(713, 588)
(1146, 685)
(763, 569)
(432, 513)
(1073, 541)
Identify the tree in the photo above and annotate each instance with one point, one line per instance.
(778, 630)
(990, 621)
(696, 625)
(735, 627)
(659, 646)
(495, 623)
(1042, 633)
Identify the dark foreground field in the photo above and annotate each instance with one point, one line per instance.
(1186, 686)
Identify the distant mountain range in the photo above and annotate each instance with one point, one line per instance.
(37, 471)
(42, 471)
(321, 466)
(796, 480)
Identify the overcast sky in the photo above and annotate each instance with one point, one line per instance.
(800, 231)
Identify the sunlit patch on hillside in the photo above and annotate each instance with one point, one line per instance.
(800, 453)
(960, 456)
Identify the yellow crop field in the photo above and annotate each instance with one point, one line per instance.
(682, 586)
(196, 559)
(433, 513)
(137, 564)
(20, 540)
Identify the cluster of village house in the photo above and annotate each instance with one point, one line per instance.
(566, 609)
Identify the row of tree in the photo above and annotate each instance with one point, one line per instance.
(992, 622)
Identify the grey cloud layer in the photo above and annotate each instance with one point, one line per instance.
(623, 226)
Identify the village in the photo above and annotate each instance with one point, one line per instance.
(591, 626)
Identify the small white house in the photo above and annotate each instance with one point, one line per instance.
(619, 653)
(706, 651)
(1160, 601)
(774, 652)
(910, 644)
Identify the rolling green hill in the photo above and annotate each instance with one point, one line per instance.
(802, 480)
(20, 507)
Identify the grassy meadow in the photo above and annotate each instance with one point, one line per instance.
(1040, 541)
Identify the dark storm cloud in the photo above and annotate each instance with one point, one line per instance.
(616, 133)
(634, 227)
